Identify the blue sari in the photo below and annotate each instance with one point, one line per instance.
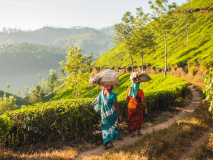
(109, 117)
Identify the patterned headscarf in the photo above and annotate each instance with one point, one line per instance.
(134, 89)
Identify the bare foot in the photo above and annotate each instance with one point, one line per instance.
(132, 134)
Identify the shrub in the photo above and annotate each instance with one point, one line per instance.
(208, 90)
(67, 119)
(57, 120)
(7, 104)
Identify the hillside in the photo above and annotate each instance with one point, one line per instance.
(89, 39)
(25, 58)
(19, 100)
(198, 51)
(20, 64)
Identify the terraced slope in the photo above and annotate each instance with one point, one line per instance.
(157, 84)
(198, 52)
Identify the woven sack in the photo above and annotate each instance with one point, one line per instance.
(106, 77)
(137, 77)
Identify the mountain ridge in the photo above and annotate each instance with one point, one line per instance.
(63, 37)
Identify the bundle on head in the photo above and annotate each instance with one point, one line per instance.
(106, 77)
(137, 77)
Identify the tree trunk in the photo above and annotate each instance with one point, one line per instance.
(165, 54)
(187, 33)
(131, 62)
(142, 61)
(76, 88)
(191, 5)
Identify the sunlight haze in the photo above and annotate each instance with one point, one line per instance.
(35, 14)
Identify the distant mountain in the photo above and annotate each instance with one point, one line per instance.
(19, 100)
(29, 58)
(25, 54)
(20, 63)
(88, 39)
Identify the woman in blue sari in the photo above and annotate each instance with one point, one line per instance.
(110, 116)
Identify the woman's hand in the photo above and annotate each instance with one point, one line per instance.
(146, 111)
(120, 119)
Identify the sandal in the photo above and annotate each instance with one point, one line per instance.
(133, 135)
(121, 139)
(110, 146)
(106, 146)
(139, 134)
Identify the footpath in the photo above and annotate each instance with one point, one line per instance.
(131, 140)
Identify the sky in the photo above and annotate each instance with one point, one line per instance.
(35, 14)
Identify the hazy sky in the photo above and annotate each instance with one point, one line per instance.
(34, 14)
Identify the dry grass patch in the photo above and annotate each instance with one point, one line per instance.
(64, 153)
(205, 152)
(196, 79)
(119, 156)
(46, 151)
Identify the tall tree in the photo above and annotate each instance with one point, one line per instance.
(187, 17)
(142, 37)
(62, 70)
(123, 32)
(7, 104)
(77, 68)
(52, 79)
(26, 89)
(37, 95)
(39, 76)
(162, 14)
(18, 92)
(27, 94)
(8, 86)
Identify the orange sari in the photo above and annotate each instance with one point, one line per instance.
(135, 111)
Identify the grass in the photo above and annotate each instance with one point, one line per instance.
(64, 153)
(44, 151)
(205, 151)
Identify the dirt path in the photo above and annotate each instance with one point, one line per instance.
(131, 140)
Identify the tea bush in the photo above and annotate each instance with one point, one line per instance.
(56, 120)
(72, 119)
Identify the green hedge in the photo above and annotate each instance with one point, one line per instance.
(72, 119)
(57, 120)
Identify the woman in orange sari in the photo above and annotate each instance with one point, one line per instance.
(137, 102)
